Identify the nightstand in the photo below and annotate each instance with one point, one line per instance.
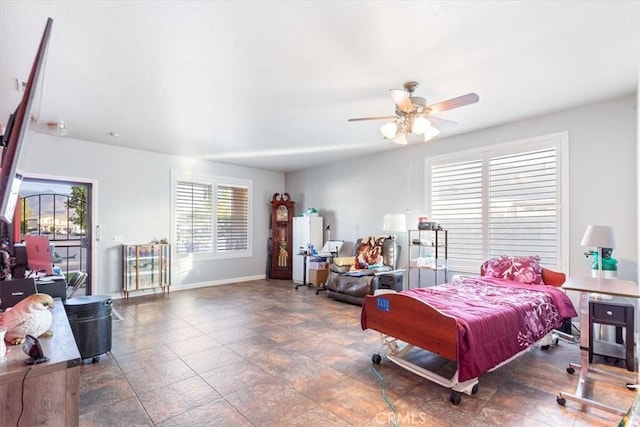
(620, 315)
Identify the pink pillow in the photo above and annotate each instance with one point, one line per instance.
(523, 269)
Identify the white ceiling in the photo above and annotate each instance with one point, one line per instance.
(271, 84)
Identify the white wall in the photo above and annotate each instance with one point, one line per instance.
(354, 194)
(133, 200)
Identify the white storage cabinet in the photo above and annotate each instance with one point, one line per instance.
(306, 230)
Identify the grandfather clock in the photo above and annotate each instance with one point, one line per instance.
(282, 241)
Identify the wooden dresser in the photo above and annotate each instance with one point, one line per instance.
(51, 389)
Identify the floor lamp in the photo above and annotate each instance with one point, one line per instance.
(394, 223)
(328, 230)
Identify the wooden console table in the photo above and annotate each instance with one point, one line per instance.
(51, 389)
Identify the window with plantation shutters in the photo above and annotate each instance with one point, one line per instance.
(194, 217)
(504, 200)
(211, 216)
(232, 226)
(456, 203)
(523, 205)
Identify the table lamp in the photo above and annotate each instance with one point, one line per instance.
(394, 223)
(599, 237)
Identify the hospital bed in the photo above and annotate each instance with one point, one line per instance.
(479, 323)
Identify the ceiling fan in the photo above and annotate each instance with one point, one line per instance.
(413, 115)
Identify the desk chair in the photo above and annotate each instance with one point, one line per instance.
(78, 280)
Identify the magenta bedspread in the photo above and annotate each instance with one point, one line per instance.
(497, 318)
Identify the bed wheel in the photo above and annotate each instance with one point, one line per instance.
(570, 370)
(545, 347)
(475, 389)
(455, 397)
(561, 400)
(376, 359)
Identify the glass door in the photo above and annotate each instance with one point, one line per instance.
(59, 210)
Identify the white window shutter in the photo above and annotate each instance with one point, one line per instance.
(523, 205)
(193, 217)
(232, 225)
(456, 203)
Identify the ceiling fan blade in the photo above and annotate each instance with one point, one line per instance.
(401, 98)
(373, 118)
(460, 101)
(441, 123)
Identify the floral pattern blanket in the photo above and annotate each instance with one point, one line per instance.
(497, 318)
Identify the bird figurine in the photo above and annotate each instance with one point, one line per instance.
(31, 316)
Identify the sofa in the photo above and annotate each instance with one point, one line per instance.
(365, 271)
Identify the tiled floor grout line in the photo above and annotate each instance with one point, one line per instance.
(303, 315)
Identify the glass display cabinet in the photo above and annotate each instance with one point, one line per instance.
(146, 266)
(281, 249)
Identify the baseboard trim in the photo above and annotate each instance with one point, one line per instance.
(187, 286)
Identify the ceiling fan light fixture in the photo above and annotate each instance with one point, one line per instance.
(420, 125)
(414, 116)
(58, 128)
(389, 130)
(61, 129)
(401, 139)
(431, 132)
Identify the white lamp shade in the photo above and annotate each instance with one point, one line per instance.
(389, 130)
(396, 223)
(599, 236)
(420, 125)
(430, 132)
(401, 139)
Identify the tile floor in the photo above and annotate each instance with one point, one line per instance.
(262, 353)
